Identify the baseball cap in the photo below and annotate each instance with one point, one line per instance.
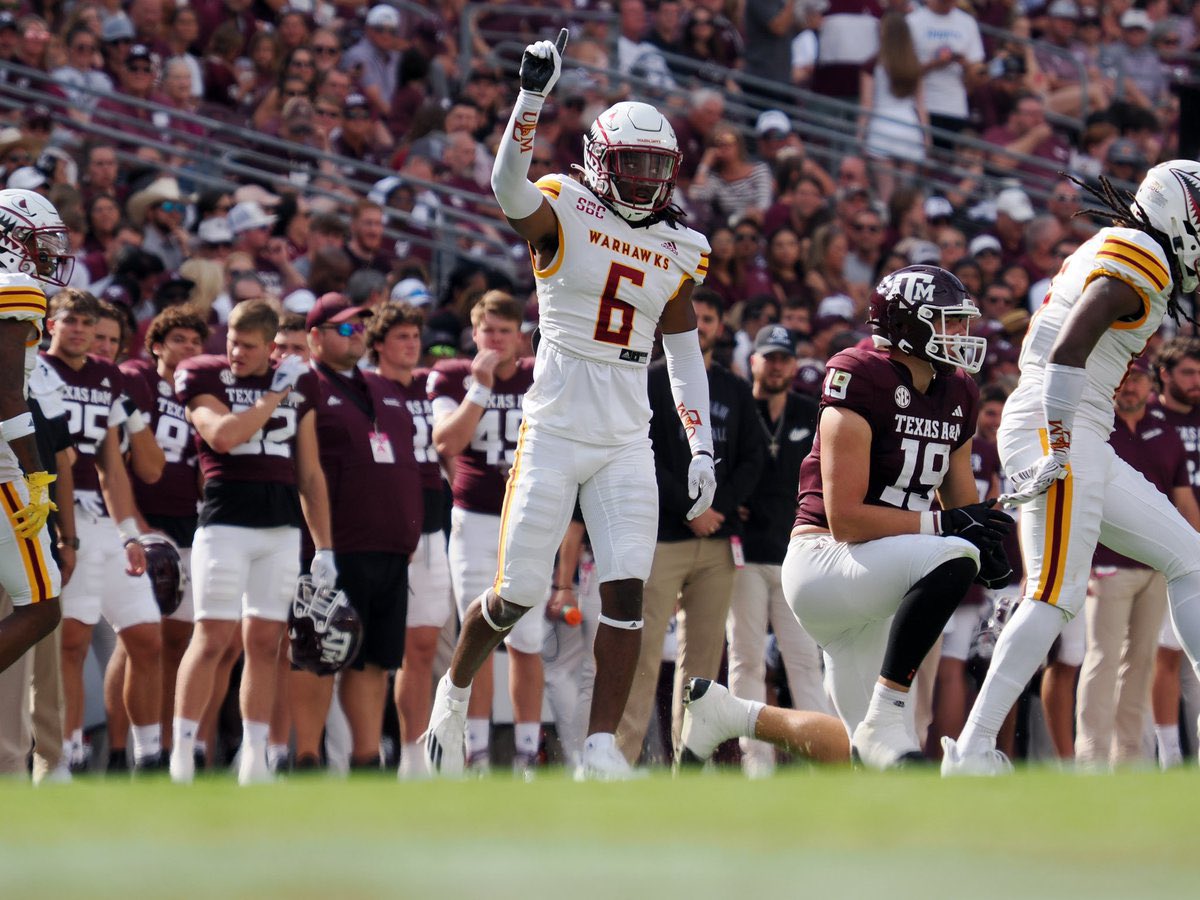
(117, 294)
(938, 208)
(300, 301)
(333, 309)
(1135, 18)
(411, 291)
(117, 27)
(772, 120)
(1125, 152)
(27, 178)
(137, 51)
(923, 253)
(248, 215)
(8, 21)
(838, 305)
(1141, 365)
(441, 344)
(383, 16)
(1063, 9)
(215, 231)
(983, 243)
(1014, 203)
(774, 339)
(355, 101)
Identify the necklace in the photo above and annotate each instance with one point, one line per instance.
(772, 437)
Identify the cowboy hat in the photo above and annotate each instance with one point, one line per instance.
(157, 191)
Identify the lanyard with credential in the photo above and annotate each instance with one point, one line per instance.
(365, 404)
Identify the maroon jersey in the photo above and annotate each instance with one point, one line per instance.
(254, 484)
(374, 485)
(912, 434)
(177, 492)
(1153, 448)
(985, 465)
(482, 468)
(1187, 426)
(420, 407)
(88, 397)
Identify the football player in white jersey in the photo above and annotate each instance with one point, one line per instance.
(1105, 303)
(611, 261)
(33, 252)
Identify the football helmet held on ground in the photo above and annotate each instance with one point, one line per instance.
(33, 238)
(1168, 199)
(912, 309)
(165, 570)
(324, 630)
(631, 159)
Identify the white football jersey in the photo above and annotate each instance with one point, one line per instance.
(21, 298)
(599, 302)
(1124, 253)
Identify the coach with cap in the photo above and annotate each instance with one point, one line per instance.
(366, 439)
(788, 422)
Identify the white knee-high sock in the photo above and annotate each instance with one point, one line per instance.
(1023, 645)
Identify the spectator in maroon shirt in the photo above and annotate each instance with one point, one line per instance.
(136, 82)
(147, 18)
(356, 140)
(1029, 134)
(706, 108)
(214, 13)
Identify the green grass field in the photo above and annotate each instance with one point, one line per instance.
(833, 833)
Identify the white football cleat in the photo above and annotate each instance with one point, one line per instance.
(711, 715)
(253, 769)
(602, 761)
(445, 742)
(60, 774)
(886, 745)
(955, 762)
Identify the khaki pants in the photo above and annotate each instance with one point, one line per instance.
(32, 719)
(1124, 616)
(697, 576)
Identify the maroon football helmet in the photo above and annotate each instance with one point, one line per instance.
(324, 630)
(911, 309)
(165, 570)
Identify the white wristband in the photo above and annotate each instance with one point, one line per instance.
(128, 529)
(135, 422)
(17, 427)
(479, 394)
(930, 523)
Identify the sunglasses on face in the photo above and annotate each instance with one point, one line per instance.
(346, 329)
(170, 206)
(326, 51)
(358, 114)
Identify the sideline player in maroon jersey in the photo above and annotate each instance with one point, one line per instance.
(257, 438)
(477, 411)
(394, 347)
(169, 505)
(107, 581)
(871, 573)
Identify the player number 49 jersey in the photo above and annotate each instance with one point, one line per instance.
(1122, 253)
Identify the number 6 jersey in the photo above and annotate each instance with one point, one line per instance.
(599, 301)
(912, 434)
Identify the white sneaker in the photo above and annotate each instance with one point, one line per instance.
(886, 745)
(60, 774)
(955, 762)
(253, 769)
(445, 741)
(524, 766)
(182, 765)
(605, 763)
(711, 715)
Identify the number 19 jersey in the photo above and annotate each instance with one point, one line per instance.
(599, 302)
(912, 434)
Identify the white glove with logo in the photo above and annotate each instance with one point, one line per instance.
(1033, 481)
(288, 373)
(702, 483)
(324, 570)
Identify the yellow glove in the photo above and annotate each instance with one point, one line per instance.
(31, 519)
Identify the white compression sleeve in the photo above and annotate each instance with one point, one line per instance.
(1061, 392)
(689, 387)
(516, 194)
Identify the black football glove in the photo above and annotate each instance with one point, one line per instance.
(541, 65)
(980, 523)
(994, 570)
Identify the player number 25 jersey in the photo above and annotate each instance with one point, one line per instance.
(1122, 253)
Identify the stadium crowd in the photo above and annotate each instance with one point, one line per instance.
(384, 251)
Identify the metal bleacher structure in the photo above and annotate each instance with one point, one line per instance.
(228, 154)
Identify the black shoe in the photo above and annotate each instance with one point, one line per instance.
(199, 759)
(151, 765)
(118, 761)
(307, 763)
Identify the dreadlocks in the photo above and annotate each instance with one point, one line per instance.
(1117, 206)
